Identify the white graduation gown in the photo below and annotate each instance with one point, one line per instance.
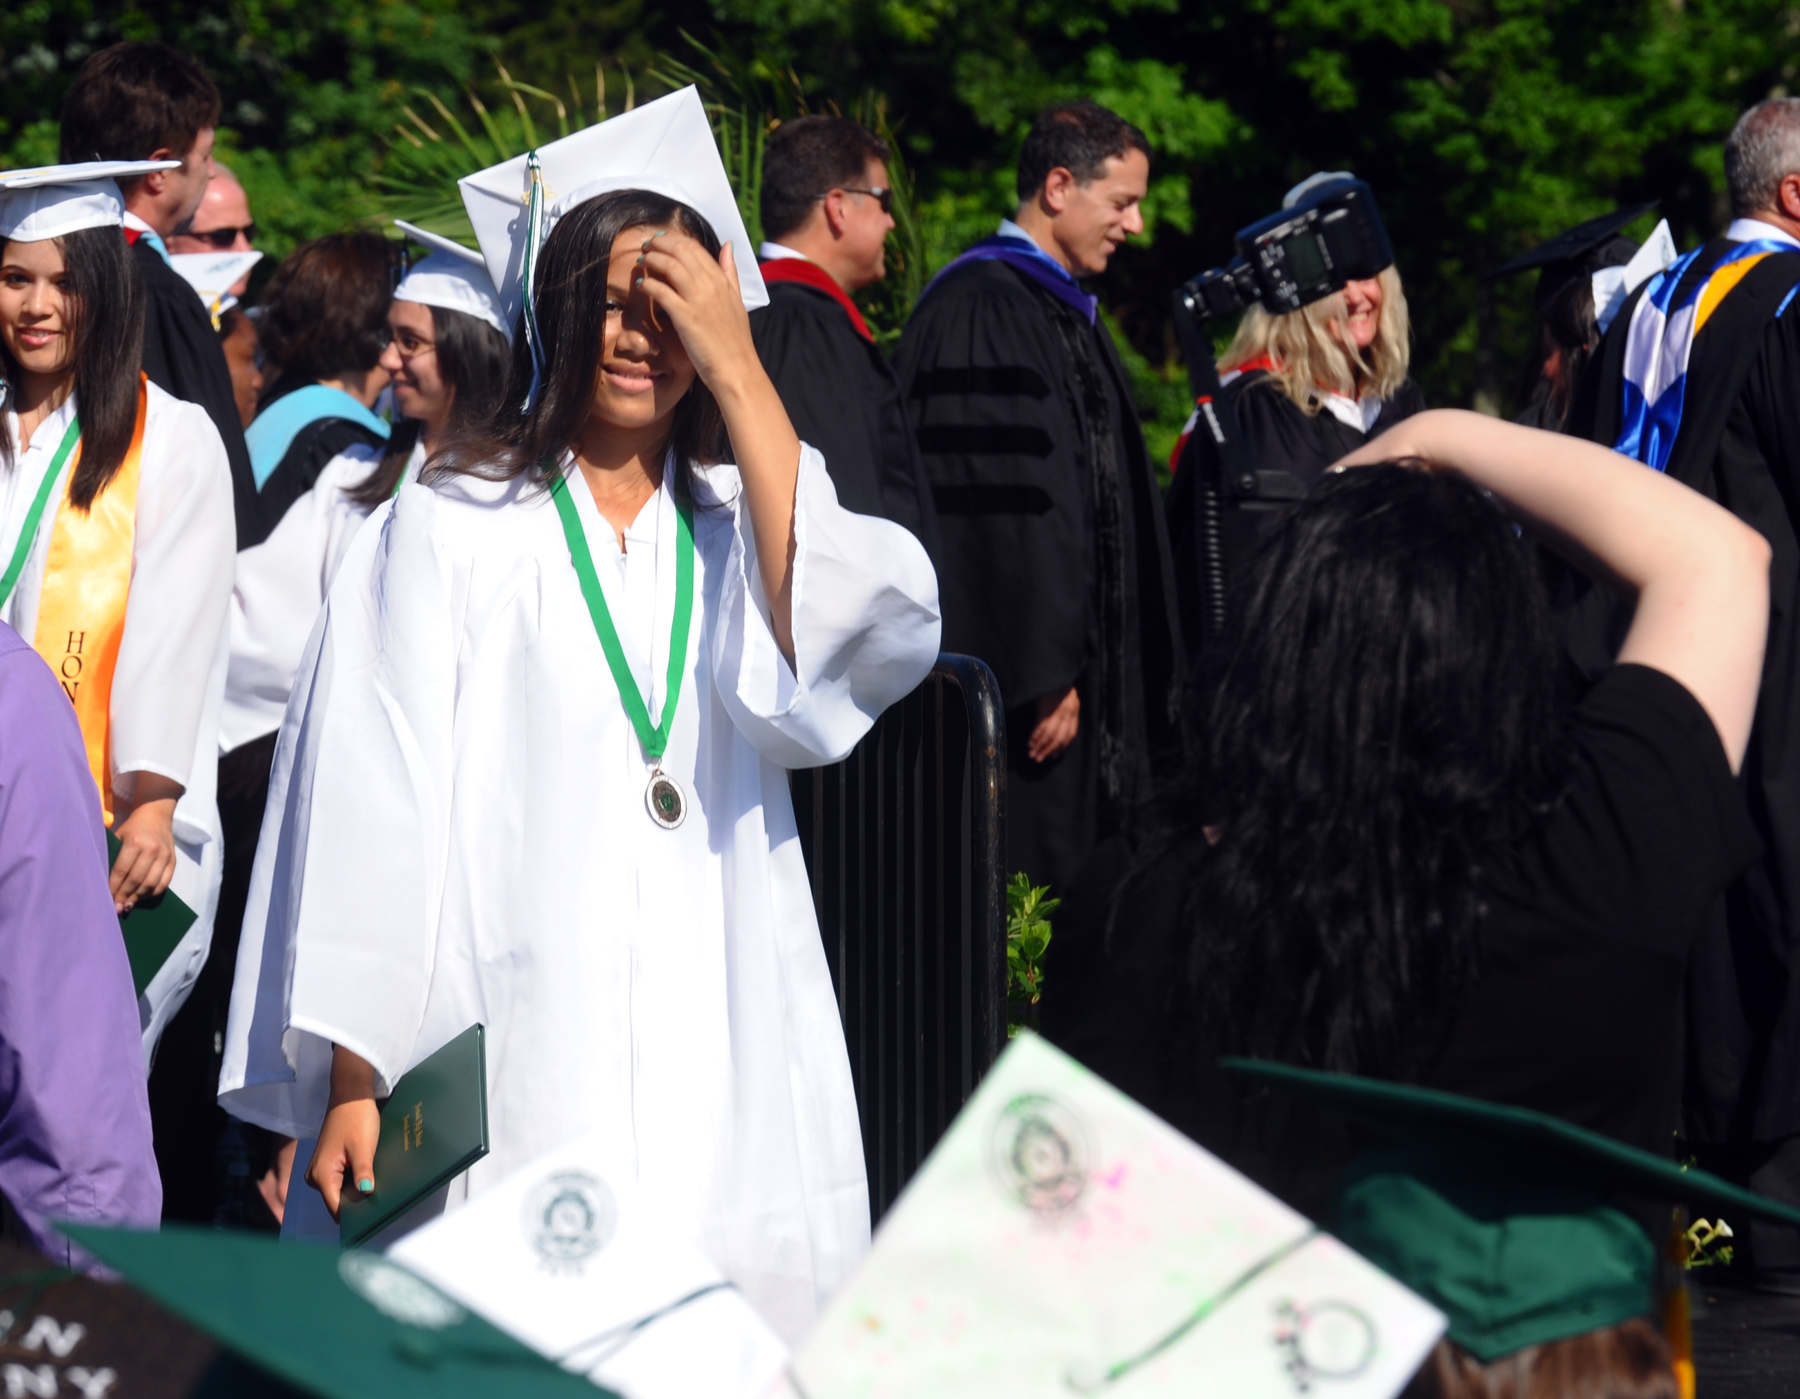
(281, 585)
(456, 832)
(169, 679)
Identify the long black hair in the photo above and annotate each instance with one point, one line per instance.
(1385, 723)
(472, 363)
(104, 316)
(571, 295)
(1567, 322)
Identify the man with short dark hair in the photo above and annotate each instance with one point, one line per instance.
(825, 215)
(1696, 378)
(139, 101)
(1054, 563)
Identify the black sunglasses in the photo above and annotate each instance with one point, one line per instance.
(223, 238)
(881, 195)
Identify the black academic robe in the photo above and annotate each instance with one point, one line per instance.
(307, 455)
(1216, 533)
(1739, 443)
(1284, 437)
(1055, 565)
(183, 357)
(841, 393)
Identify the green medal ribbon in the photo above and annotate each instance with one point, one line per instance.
(22, 550)
(654, 740)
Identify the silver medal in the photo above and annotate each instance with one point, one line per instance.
(666, 802)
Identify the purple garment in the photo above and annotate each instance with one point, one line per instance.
(74, 1109)
(1025, 256)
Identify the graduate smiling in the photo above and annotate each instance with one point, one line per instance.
(115, 542)
(533, 774)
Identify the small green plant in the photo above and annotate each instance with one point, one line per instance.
(417, 181)
(1705, 1247)
(1028, 911)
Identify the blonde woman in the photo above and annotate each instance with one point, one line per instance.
(1314, 384)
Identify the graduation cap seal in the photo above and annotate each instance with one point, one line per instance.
(1504, 1218)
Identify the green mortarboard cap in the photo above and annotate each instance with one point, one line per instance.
(1501, 1216)
(340, 1324)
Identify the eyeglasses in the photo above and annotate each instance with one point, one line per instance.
(881, 195)
(223, 238)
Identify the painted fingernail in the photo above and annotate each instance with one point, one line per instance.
(365, 1186)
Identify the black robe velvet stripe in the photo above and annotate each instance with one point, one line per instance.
(843, 398)
(1055, 565)
(1739, 444)
(183, 357)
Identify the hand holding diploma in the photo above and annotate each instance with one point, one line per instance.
(347, 1137)
(146, 859)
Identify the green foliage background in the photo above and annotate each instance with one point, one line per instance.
(1484, 125)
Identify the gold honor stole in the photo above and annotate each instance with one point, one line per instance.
(81, 610)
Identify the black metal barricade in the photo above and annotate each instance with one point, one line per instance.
(905, 846)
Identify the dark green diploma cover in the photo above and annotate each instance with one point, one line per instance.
(434, 1127)
(152, 929)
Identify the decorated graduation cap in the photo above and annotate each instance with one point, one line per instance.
(452, 277)
(1504, 1218)
(340, 1324)
(50, 201)
(665, 147)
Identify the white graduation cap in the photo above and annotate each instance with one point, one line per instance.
(213, 275)
(49, 201)
(578, 1259)
(665, 146)
(1062, 1240)
(453, 277)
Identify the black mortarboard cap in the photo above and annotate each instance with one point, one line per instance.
(1578, 252)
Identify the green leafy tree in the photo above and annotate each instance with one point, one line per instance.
(310, 87)
(1485, 125)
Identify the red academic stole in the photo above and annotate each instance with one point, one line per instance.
(81, 610)
(810, 274)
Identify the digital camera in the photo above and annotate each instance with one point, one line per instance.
(1331, 236)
